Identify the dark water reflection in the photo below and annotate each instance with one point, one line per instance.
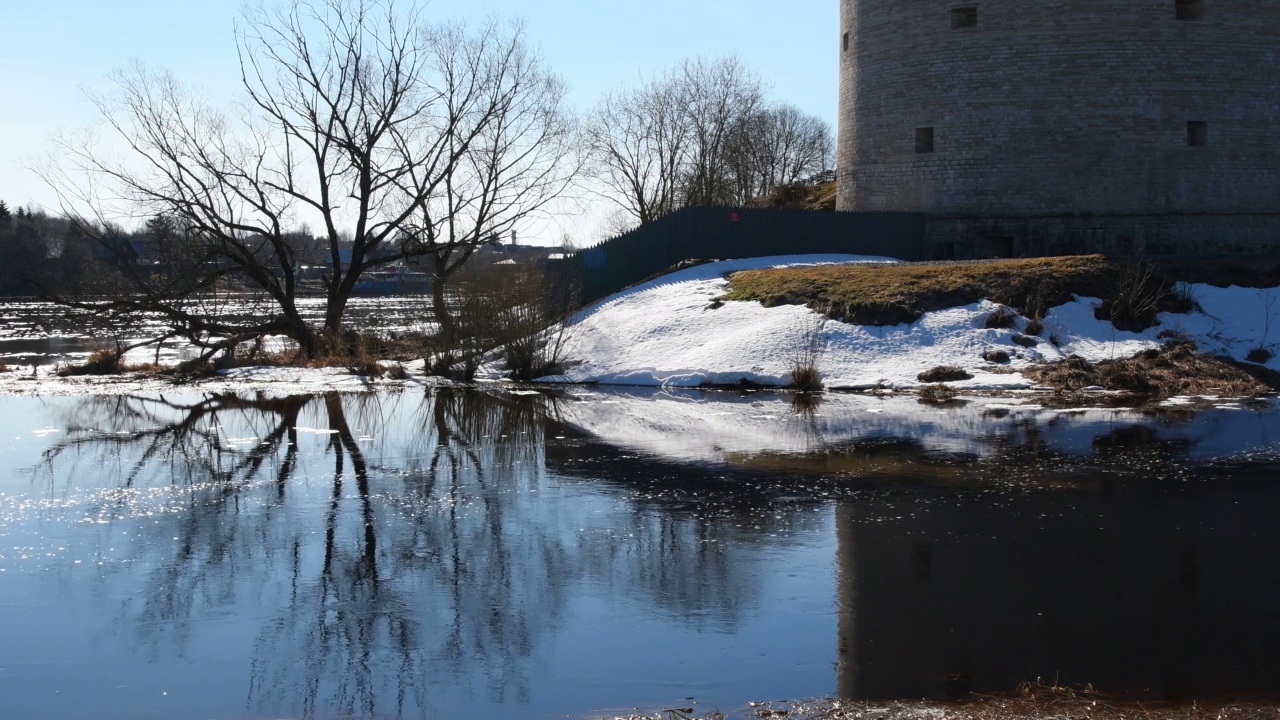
(507, 555)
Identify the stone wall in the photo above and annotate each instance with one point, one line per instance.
(1050, 108)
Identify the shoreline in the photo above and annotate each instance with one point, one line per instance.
(1042, 702)
(46, 381)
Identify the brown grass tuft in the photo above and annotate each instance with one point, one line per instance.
(1000, 318)
(100, 362)
(4, 368)
(1175, 369)
(805, 379)
(943, 373)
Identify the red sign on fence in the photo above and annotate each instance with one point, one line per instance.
(735, 216)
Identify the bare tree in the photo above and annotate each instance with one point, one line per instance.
(400, 139)
(514, 142)
(636, 140)
(717, 96)
(778, 145)
(702, 134)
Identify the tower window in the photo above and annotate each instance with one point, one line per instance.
(924, 140)
(964, 17)
(1188, 9)
(1197, 133)
(844, 42)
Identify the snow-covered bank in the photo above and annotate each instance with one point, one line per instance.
(671, 331)
(674, 331)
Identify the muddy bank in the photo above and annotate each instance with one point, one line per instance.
(1172, 370)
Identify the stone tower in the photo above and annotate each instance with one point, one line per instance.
(1033, 126)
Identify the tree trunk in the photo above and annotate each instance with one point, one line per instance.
(448, 328)
(336, 305)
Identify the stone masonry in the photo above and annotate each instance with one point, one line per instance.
(1040, 126)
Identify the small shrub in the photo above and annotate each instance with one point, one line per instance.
(1139, 294)
(1182, 298)
(100, 362)
(804, 359)
(805, 379)
(1001, 317)
(1035, 326)
(996, 356)
(1259, 355)
(350, 349)
(397, 372)
(1024, 340)
(943, 373)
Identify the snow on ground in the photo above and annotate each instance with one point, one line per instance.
(669, 332)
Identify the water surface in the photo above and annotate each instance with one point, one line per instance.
(517, 554)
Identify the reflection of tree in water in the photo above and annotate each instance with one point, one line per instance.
(429, 561)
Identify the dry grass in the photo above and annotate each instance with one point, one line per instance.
(805, 354)
(799, 196)
(943, 373)
(358, 352)
(889, 295)
(1175, 369)
(1001, 317)
(4, 368)
(105, 362)
(1026, 341)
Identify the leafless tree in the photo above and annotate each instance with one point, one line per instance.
(637, 141)
(717, 96)
(702, 134)
(778, 145)
(401, 139)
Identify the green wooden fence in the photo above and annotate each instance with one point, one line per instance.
(725, 233)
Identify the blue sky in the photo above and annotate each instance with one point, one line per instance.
(52, 48)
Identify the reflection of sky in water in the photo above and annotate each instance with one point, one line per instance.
(462, 554)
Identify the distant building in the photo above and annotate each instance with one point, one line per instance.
(1029, 127)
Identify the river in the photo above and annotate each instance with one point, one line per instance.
(498, 554)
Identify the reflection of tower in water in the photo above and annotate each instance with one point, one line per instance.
(1142, 590)
(846, 598)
